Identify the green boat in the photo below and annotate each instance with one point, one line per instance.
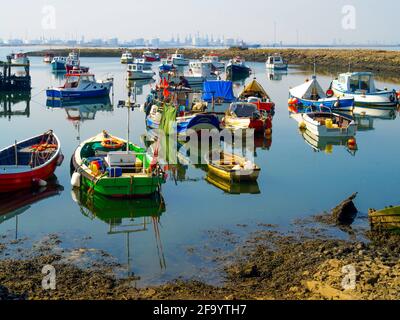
(110, 166)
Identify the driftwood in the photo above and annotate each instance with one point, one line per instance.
(346, 212)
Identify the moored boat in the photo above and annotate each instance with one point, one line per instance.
(327, 124)
(255, 93)
(361, 87)
(81, 85)
(28, 164)
(276, 62)
(48, 58)
(237, 69)
(126, 57)
(136, 71)
(311, 94)
(214, 60)
(112, 167)
(387, 219)
(19, 59)
(231, 167)
(151, 56)
(58, 64)
(178, 59)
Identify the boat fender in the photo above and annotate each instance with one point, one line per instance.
(76, 180)
(337, 104)
(74, 197)
(39, 183)
(302, 126)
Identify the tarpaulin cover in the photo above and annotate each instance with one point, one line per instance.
(221, 91)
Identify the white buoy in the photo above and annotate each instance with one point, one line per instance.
(76, 180)
(74, 196)
(42, 184)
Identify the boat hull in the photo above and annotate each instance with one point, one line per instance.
(384, 99)
(235, 72)
(234, 176)
(323, 131)
(76, 94)
(58, 66)
(137, 75)
(345, 104)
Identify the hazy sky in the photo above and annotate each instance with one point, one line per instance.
(251, 20)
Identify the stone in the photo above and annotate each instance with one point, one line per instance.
(346, 212)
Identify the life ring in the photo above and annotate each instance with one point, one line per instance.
(110, 143)
(329, 93)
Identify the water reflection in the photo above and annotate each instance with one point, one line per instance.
(139, 85)
(15, 104)
(277, 75)
(79, 111)
(126, 217)
(14, 205)
(326, 144)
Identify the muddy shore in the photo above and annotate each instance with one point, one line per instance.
(362, 59)
(305, 263)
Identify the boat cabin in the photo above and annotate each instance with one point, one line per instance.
(200, 69)
(136, 67)
(73, 79)
(357, 82)
(244, 110)
(275, 59)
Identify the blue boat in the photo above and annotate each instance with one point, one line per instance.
(80, 85)
(58, 64)
(310, 94)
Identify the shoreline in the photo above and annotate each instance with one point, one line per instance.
(307, 263)
(359, 59)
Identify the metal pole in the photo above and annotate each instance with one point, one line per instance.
(16, 154)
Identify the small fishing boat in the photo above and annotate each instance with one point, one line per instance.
(81, 85)
(327, 124)
(48, 58)
(218, 94)
(58, 64)
(231, 167)
(244, 115)
(199, 72)
(179, 59)
(19, 59)
(361, 87)
(214, 60)
(112, 167)
(126, 57)
(276, 62)
(28, 164)
(151, 56)
(136, 71)
(237, 69)
(387, 219)
(142, 61)
(255, 93)
(73, 63)
(311, 94)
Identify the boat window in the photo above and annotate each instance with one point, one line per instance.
(342, 79)
(354, 83)
(72, 79)
(364, 82)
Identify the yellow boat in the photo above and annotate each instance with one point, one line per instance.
(233, 188)
(231, 167)
(387, 219)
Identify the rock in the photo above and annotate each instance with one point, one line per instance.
(250, 271)
(346, 212)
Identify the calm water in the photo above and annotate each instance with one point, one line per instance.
(296, 181)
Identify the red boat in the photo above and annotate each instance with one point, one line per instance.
(72, 68)
(28, 164)
(151, 57)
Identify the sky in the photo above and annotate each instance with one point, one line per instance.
(306, 21)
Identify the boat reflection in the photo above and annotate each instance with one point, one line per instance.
(15, 104)
(326, 144)
(79, 111)
(139, 85)
(233, 188)
(14, 205)
(365, 117)
(125, 216)
(276, 75)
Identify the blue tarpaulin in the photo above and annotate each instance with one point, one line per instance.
(220, 90)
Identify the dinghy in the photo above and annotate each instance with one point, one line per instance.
(327, 124)
(231, 167)
(244, 115)
(112, 167)
(255, 93)
(276, 62)
(28, 164)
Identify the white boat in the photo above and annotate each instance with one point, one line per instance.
(136, 71)
(19, 58)
(199, 72)
(126, 57)
(142, 61)
(276, 62)
(327, 124)
(178, 59)
(361, 86)
(214, 60)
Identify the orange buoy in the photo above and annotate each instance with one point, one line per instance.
(352, 143)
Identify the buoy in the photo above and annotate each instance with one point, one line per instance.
(268, 132)
(295, 101)
(352, 143)
(76, 180)
(290, 101)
